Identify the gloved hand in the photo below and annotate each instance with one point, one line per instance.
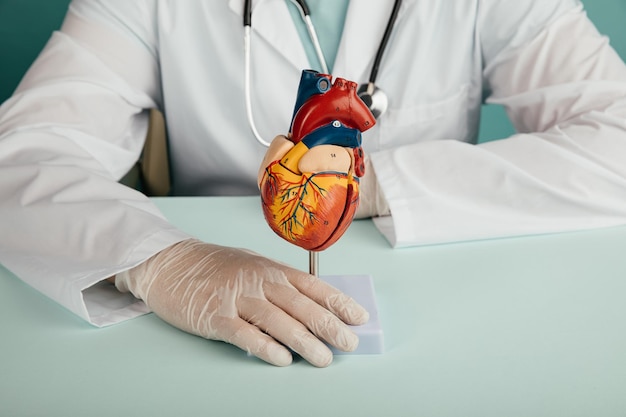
(372, 203)
(242, 298)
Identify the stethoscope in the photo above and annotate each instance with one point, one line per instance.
(372, 96)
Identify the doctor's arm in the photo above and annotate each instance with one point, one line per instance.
(565, 91)
(73, 128)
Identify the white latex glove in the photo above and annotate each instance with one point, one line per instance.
(372, 203)
(242, 298)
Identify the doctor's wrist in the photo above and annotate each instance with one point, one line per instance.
(372, 202)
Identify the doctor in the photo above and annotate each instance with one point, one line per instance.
(77, 122)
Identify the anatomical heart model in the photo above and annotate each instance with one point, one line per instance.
(309, 180)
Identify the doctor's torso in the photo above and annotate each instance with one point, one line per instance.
(431, 72)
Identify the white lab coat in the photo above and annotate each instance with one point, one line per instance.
(77, 122)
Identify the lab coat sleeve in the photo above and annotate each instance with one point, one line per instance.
(564, 89)
(73, 128)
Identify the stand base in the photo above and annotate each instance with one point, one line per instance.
(361, 288)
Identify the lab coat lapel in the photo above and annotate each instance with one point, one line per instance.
(367, 21)
(272, 22)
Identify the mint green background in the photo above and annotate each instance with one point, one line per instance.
(25, 25)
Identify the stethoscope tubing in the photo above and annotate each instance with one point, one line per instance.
(247, 34)
(385, 39)
(247, 88)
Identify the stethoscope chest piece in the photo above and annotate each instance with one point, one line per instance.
(374, 98)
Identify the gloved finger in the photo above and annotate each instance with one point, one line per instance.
(316, 318)
(249, 338)
(346, 308)
(284, 328)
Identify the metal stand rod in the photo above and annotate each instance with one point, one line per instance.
(313, 263)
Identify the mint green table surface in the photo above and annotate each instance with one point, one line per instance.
(530, 326)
